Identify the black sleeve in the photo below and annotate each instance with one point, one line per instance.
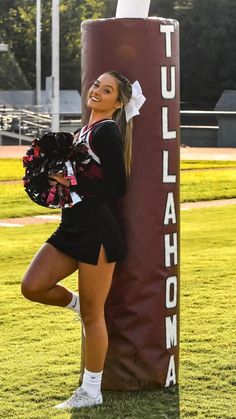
(108, 146)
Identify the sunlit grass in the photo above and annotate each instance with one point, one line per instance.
(195, 186)
(11, 169)
(204, 185)
(16, 203)
(40, 350)
(206, 164)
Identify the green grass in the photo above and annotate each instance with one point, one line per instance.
(208, 304)
(206, 164)
(14, 200)
(203, 185)
(40, 354)
(195, 186)
(11, 169)
(16, 203)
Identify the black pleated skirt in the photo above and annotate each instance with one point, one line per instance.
(84, 228)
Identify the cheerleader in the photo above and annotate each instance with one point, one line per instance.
(88, 238)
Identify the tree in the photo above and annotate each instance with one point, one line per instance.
(18, 28)
(208, 54)
(110, 8)
(11, 75)
(207, 40)
(162, 8)
(207, 47)
(72, 13)
(18, 31)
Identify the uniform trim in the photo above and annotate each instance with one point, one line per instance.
(86, 135)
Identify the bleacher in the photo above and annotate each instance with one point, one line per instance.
(20, 126)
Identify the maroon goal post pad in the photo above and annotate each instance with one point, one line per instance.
(142, 309)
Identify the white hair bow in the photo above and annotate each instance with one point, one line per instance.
(136, 101)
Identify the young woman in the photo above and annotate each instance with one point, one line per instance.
(88, 238)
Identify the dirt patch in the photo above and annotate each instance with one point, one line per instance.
(42, 219)
(20, 222)
(206, 204)
(186, 153)
(205, 153)
(12, 151)
(6, 182)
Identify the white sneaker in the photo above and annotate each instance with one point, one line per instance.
(80, 398)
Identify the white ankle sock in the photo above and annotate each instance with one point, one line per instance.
(74, 304)
(92, 382)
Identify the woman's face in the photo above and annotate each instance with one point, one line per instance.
(103, 95)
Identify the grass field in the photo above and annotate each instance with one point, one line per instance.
(16, 203)
(40, 350)
(195, 186)
(205, 183)
(39, 364)
(11, 169)
(14, 200)
(206, 164)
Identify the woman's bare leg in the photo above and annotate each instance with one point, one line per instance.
(48, 267)
(94, 285)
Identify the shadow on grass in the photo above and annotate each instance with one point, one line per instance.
(159, 404)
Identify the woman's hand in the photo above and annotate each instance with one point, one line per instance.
(61, 179)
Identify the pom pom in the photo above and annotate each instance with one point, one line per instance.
(53, 154)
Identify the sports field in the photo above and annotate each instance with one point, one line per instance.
(40, 349)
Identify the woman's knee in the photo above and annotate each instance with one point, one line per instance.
(91, 315)
(30, 289)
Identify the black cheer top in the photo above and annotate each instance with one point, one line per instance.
(92, 222)
(106, 176)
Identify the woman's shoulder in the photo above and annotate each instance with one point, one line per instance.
(101, 127)
(106, 131)
(106, 136)
(108, 125)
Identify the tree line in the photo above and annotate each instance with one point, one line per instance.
(207, 43)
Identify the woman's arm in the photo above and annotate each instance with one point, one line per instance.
(60, 179)
(107, 145)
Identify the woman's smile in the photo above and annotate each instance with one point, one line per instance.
(95, 98)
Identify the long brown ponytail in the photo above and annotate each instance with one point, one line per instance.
(124, 95)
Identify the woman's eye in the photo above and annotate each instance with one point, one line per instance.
(107, 91)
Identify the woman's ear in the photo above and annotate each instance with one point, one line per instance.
(119, 105)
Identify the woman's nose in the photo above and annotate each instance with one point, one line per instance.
(96, 89)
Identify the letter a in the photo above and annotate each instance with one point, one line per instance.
(170, 210)
(171, 377)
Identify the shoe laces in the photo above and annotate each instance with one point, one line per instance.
(79, 393)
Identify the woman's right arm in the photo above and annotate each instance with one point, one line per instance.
(108, 147)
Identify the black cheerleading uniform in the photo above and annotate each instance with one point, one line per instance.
(91, 222)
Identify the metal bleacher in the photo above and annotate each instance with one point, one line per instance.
(20, 126)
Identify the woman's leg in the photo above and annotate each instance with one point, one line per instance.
(48, 267)
(94, 285)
